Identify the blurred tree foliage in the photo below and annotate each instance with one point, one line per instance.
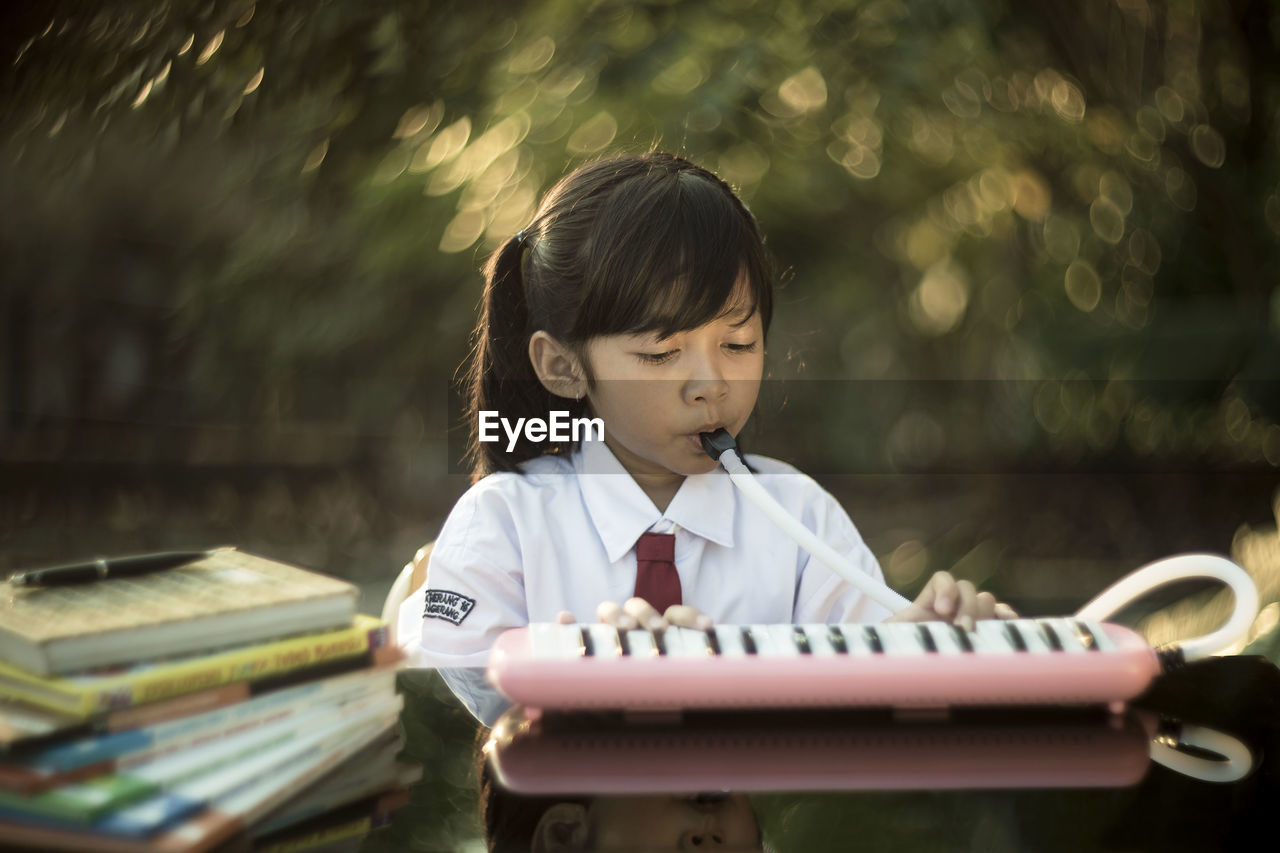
(267, 212)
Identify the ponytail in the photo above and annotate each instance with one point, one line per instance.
(500, 377)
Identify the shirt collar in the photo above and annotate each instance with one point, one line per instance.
(621, 511)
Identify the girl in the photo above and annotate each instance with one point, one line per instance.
(641, 295)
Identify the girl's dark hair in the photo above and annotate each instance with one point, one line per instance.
(629, 244)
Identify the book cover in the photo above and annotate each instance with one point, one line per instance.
(196, 607)
(83, 696)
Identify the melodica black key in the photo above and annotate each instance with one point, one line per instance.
(801, 640)
(1015, 636)
(1051, 636)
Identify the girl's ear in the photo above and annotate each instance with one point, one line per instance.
(558, 369)
(561, 829)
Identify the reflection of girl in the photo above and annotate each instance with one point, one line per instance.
(640, 294)
(723, 822)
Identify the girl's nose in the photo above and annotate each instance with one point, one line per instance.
(707, 382)
(693, 840)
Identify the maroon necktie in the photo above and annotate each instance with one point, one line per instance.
(656, 579)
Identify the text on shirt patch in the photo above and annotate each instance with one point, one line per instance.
(450, 606)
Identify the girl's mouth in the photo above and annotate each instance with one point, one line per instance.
(695, 438)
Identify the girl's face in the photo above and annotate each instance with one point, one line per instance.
(654, 823)
(655, 395)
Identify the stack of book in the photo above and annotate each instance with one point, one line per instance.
(177, 709)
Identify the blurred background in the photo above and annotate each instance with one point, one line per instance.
(1029, 328)
(1030, 258)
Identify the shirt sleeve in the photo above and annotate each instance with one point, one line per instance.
(822, 596)
(474, 589)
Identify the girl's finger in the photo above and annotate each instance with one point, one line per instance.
(687, 617)
(644, 614)
(940, 595)
(564, 617)
(967, 609)
(986, 606)
(611, 614)
(1004, 611)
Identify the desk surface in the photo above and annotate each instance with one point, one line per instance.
(991, 781)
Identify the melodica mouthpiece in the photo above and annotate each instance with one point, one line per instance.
(714, 444)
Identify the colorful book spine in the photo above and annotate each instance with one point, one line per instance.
(128, 748)
(88, 801)
(86, 695)
(204, 811)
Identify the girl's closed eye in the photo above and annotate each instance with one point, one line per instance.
(656, 357)
(667, 355)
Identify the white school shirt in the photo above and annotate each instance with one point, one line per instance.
(519, 548)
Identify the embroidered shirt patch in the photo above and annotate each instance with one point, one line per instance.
(450, 606)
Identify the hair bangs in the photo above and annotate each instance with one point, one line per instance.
(670, 258)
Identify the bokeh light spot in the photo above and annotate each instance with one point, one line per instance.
(448, 143)
(1068, 101)
(593, 134)
(1107, 220)
(1170, 104)
(533, 57)
(254, 82)
(744, 164)
(1061, 239)
(939, 301)
(1031, 195)
(804, 91)
(1144, 251)
(1208, 145)
(1084, 288)
(419, 119)
(682, 76)
(463, 231)
(211, 48)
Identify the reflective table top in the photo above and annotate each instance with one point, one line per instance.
(1189, 766)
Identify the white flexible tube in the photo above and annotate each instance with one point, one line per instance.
(1123, 592)
(1184, 567)
(824, 553)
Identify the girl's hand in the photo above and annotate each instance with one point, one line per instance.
(945, 599)
(638, 613)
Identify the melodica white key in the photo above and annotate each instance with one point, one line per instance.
(1015, 662)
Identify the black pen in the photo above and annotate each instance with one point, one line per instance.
(106, 567)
